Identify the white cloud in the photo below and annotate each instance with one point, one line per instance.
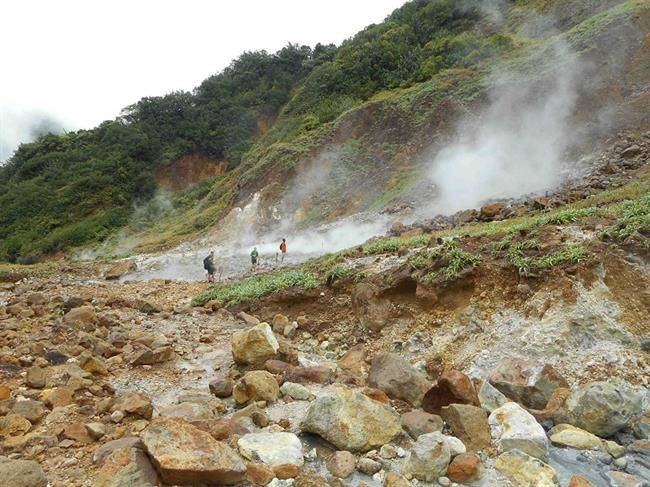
(80, 62)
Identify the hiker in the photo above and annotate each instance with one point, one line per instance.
(254, 256)
(208, 265)
(283, 249)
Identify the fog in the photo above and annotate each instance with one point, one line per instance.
(19, 125)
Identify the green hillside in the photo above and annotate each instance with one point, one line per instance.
(376, 97)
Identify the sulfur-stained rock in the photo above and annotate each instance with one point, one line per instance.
(522, 469)
(255, 345)
(272, 449)
(397, 378)
(567, 435)
(101, 453)
(14, 425)
(515, 428)
(579, 481)
(257, 385)
(31, 410)
(350, 420)
(92, 364)
(183, 454)
(120, 269)
(258, 474)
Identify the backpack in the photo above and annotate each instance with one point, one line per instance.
(207, 263)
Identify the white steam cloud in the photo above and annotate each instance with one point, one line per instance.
(19, 125)
(516, 146)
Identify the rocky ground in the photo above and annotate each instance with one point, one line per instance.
(498, 376)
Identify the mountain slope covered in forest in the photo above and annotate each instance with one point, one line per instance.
(368, 111)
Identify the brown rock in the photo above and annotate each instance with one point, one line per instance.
(286, 471)
(341, 464)
(354, 360)
(32, 411)
(394, 480)
(134, 403)
(255, 345)
(221, 386)
(397, 378)
(417, 423)
(14, 425)
(221, 429)
(528, 382)
(319, 374)
(92, 364)
(163, 354)
(77, 432)
(59, 396)
(5, 392)
(248, 319)
(376, 394)
(555, 402)
(183, 454)
(465, 468)
(469, 424)
(453, 387)
(579, 481)
(277, 367)
(259, 474)
(257, 385)
(35, 378)
(490, 211)
(81, 315)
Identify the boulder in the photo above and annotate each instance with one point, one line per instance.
(528, 382)
(397, 378)
(82, 315)
(417, 423)
(428, 459)
(120, 269)
(522, 469)
(623, 479)
(515, 428)
(602, 408)
(350, 420)
(567, 435)
(127, 467)
(491, 211)
(341, 464)
(453, 387)
(373, 312)
(465, 468)
(255, 345)
(183, 454)
(469, 424)
(21, 473)
(257, 385)
(272, 449)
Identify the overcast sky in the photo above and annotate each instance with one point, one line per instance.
(78, 62)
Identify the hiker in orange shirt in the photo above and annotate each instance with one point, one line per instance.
(283, 249)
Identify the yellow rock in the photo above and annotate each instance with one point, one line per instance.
(568, 435)
(524, 470)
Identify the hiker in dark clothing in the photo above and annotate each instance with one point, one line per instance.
(254, 256)
(208, 265)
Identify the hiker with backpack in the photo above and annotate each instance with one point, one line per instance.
(209, 266)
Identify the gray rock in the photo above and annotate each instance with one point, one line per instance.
(490, 397)
(515, 428)
(350, 420)
(272, 449)
(428, 459)
(398, 378)
(602, 408)
(21, 473)
(107, 448)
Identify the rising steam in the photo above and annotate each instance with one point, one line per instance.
(516, 146)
